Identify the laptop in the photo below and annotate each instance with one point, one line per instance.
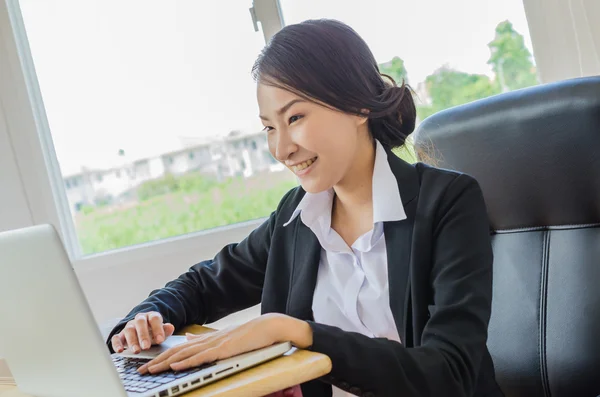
(52, 343)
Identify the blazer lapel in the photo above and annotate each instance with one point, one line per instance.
(398, 241)
(305, 267)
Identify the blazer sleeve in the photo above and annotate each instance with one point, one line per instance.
(454, 339)
(231, 281)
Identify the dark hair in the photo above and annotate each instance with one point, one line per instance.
(328, 61)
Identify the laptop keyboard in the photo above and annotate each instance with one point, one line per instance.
(134, 382)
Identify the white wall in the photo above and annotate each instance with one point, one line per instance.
(14, 211)
(566, 37)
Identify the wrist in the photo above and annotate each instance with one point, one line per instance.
(298, 332)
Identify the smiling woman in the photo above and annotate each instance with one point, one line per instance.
(331, 265)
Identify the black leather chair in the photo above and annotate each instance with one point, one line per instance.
(536, 155)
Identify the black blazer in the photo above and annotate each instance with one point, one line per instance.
(440, 287)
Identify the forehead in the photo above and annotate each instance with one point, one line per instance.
(272, 98)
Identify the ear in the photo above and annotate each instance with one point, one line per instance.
(361, 120)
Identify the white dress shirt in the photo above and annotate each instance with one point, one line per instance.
(352, 284)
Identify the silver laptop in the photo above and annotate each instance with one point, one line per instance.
(52, 343)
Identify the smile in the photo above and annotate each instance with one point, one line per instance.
(299, 168)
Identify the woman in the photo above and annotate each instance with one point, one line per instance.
(384, 266)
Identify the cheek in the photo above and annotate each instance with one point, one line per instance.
(337, 140)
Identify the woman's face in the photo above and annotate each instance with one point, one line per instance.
(316, 143)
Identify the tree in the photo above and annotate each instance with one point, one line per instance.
(510, 59)
(448, 87)
(395, 69)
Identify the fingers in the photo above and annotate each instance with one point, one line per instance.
(179, 354)
(156, 325)
(204, 356)
(168, 329)
(183, 354)
(117, 343)
(160, 358)
(143, 334)
(131, 337)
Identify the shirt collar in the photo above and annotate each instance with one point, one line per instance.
(387, 203)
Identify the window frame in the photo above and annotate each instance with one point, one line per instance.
(34, 158)
(36, 190)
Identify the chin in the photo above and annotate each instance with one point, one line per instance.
(314, 188)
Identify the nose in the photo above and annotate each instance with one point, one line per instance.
(284, 146)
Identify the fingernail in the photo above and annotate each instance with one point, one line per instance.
(159, 339)
(145, 344)
(136, 349)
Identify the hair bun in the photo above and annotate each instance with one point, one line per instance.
(395, 117)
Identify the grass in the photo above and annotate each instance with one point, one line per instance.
(181, 212)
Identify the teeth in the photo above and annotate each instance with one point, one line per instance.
(304, 165)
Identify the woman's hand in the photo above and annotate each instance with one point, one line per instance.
(263, 331)
(141, 333)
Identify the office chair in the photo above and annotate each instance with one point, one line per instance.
(536, 155)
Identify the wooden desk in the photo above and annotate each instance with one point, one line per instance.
(298, 367)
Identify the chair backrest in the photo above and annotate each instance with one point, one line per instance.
(536, 155)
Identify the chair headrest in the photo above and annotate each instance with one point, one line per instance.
(535, 152)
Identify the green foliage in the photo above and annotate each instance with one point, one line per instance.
(192, 182)
(395, 69)
(448, 87)
(407, 152)
(511, 62)
(87, 209)
(510, 59)
(182, 211)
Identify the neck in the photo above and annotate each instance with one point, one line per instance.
(354, 192)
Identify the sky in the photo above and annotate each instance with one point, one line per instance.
(149, 76)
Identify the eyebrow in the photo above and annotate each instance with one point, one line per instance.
(284, 108)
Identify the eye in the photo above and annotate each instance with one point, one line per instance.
(295, 118)
(267, 128)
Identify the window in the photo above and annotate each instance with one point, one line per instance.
(450, 52)
(149, 85)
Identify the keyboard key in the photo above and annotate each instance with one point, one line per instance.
(149, 385)
(162, 380)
